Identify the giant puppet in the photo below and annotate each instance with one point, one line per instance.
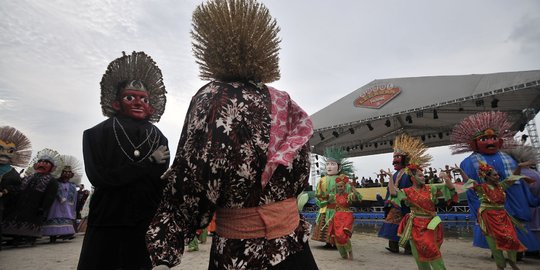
(486, 134)
(336, 165)
(496, 224)
(523, 153)
(124, 157)
(15, 150)
(393, 212)
(243, 152)
(62, 214)
(37, 192)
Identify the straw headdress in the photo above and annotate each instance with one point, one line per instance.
(72, 164)
(135, 69)
(236, 40)
(23, 147)
(50, 155)
(414, 149)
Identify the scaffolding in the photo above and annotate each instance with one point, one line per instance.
(315, 170)
(532, 131)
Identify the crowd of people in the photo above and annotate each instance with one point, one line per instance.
(430, 177)
(242, 159)
(44, 201)
(411, 219)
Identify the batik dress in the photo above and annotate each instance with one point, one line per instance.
(422, 225)
(222, 155)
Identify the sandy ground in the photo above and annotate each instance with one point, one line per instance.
(369, 253)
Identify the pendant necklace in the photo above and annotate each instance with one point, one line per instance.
(136, 151)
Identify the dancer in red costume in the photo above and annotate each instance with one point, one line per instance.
(341, 227)
(422, 227)
(488, 135)
(497, 226)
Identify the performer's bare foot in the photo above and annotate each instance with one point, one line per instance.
(350, 256)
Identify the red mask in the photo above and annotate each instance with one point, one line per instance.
(134, 104)
(43, 166)
(397, 161)
(489, 144)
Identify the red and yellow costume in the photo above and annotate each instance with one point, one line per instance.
(422, 226)
(493, 218)
(341, 227)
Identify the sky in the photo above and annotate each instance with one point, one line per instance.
(55, 52)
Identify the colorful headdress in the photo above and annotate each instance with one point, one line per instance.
(23, 147)
(343, 179)
(484, 169)
(140, 72)
(236, 40)
(50, 155)
(72, 164)
(478, 125)
(338, 155)
(414, 149)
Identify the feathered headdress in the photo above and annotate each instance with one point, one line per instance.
(72, 164)
(478, 125)
(21, 144)
(236, 40)
(133, 69)
(50, 155)
(338, 155)
(414, 149)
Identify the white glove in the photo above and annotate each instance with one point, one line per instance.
(161, 155)
(161, 267)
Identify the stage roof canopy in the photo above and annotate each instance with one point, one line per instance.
(366, 121)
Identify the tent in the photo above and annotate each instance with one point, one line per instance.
(366, 121)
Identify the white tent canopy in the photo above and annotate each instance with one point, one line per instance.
(448, 99)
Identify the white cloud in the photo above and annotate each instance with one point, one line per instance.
(55, 52)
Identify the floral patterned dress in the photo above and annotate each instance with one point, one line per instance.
(223, 152)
